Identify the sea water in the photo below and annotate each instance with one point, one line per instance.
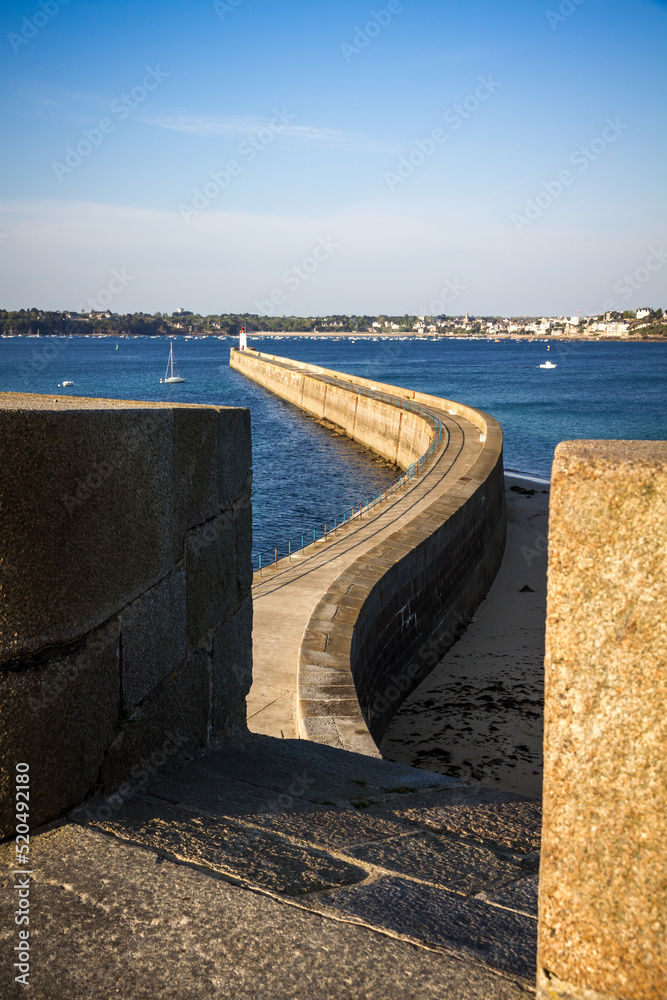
(303, 475)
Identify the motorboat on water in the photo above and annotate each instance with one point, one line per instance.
(548, 364)
(67, 383)
(170, 368)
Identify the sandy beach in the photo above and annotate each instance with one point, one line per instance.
(478, 715)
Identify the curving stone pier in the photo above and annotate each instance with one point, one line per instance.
(374, 605)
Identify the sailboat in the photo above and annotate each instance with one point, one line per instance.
(170, 365)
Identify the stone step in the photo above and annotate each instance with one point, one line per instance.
(112, 919)
(283, 868)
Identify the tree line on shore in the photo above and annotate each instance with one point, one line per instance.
(52, 323)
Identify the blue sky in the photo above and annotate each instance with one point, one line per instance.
(414, 143)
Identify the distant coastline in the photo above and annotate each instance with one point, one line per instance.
(644, 323)
(346, 335)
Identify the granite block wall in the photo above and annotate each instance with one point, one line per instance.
(125, 575)
(432, 584)
(603, 874)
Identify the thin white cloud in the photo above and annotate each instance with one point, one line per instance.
(229, 125)
(57, 97)
(390, 257)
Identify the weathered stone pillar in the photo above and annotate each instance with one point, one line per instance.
(603, 878)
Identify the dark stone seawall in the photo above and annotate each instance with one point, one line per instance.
(422, 603)
(125, 576)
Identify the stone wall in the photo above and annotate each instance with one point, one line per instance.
(447, 562)
(398, 435)
(603, 875)
(125, 575)
(388, 618)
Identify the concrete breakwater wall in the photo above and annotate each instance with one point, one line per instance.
(423, 600)
(398, 435)
(125, 576)
(377, 629)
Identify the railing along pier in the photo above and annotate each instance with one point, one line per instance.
(356, 511)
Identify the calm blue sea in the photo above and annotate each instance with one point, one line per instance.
(304, 475)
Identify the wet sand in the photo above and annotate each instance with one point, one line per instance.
(479, 713)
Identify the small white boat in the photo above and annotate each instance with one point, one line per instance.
(548, 364)
(170, 366)
(67, 383)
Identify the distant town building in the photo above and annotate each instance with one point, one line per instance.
(612, 328)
